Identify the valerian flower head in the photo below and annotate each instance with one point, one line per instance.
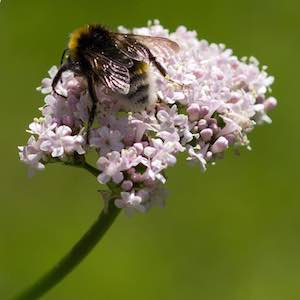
(219, 100)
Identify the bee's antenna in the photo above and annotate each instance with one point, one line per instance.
(63, 56)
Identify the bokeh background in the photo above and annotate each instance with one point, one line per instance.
(231, 233)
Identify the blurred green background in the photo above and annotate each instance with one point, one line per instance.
(231, 233)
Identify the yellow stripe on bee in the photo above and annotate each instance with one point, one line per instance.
(142, 68)
(75, 35)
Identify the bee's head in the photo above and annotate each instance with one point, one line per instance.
(87, 36)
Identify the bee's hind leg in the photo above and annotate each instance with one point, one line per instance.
(163, 71)
(92, 113)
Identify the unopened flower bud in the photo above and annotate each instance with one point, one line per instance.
(215, 128)
(211, 121)
(195, 129)
(204, 111)
(127, 185)
(202, 124)
(230, 138)
(270, 104)
(220, 145)
(137, 177)
(193, 112)
(139, 148)
(206, 134)
(208, 155)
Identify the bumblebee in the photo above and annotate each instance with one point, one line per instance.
(118, 61)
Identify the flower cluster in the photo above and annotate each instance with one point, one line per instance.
(218, 101)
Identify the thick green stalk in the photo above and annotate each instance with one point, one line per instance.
(80, 250)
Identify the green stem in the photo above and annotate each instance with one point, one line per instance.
(90, 169)
(79, 251)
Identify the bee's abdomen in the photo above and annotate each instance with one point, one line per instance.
(141, 93)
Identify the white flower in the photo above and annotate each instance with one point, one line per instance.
(197, 156)
(106, 140)
(131, 158)
(170, 118)
(111, 167)
(61, 141)
(160, 155)
(130, 201)
(31, 155)
(173, 139)
(46, 87)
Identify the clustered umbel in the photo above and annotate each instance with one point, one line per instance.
(220, 99)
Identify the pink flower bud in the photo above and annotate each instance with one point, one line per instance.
(139, 148)
(127, 185)
(211, 121)
(215, 128)
(137, 177)
(204, 110)
(195, 129)
(234, 63)
(270, 104)
(193, 112)
(206, 134)
(219, 145)
(230, 138)
(202, 124)
(208, 155)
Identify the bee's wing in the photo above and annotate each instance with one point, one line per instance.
(112, 74)
(138, 46)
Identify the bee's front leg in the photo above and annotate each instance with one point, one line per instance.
(58, 77)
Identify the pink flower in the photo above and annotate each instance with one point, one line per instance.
(111, 167)
(212, 102)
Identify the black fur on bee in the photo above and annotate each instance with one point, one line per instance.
(117, 61)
